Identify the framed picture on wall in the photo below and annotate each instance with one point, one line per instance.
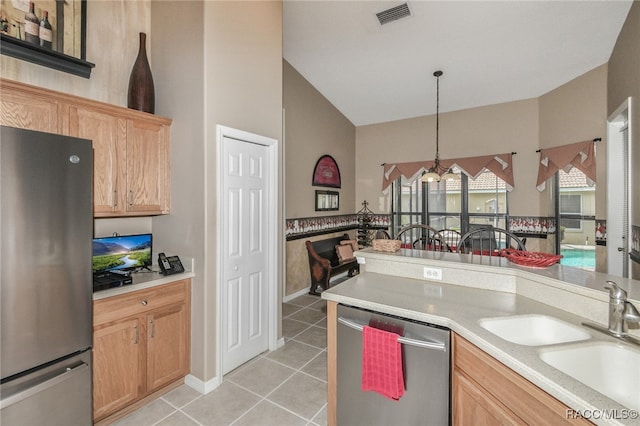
(326, 172)
(327, 200)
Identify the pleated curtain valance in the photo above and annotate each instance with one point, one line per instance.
(499, 164)
(580, 155)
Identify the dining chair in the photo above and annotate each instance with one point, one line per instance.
(488, 241)
(422, 237)
(451, 237)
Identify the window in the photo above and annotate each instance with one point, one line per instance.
(576, 208)
(576, 216)
(570, 206)
(444, 204)
(407, 204)
(488, 200)
(458, 204)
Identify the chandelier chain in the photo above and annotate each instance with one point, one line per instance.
(437, 74)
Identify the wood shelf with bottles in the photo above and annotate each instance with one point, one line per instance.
(131, 148)
(32, 38)
(19, 49)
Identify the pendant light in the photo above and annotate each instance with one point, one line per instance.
(437, 171)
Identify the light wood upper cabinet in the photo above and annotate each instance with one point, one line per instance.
(131, 148)
(109, 136)
(27, 108)
(147, 167)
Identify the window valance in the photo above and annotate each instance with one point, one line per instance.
(580, 155)
(499, 164)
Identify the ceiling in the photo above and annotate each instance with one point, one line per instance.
(490, 51)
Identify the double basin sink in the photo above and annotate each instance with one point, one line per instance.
(609, 368)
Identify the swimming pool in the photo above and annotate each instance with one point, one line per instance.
(579, 257)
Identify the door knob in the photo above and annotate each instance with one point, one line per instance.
(620, 248)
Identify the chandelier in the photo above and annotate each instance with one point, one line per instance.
(437, 171)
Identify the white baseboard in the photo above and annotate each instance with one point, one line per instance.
(340, 277)
(202, 387)
(294, 295)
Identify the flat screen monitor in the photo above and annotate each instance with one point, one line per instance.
(122, 253)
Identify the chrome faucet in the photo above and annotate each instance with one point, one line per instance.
(621, 313)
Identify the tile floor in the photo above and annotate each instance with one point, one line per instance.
(280, 388)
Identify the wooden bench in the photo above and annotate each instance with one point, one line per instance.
(324, 263)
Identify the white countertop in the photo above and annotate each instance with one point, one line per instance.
(457, 304)
(146, 279)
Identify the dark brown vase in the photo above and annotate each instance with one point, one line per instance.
(141, 91)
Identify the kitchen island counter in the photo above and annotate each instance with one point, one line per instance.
(469, 292)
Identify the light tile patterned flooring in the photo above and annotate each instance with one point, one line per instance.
(284, 387)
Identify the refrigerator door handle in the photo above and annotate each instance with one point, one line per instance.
(404, 340)
(66, 375)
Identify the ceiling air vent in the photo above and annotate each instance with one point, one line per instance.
(393, 14)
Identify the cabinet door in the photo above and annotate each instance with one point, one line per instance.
(108, 134)
(147, 167)
(500, 392)
(28, 110)
(167, 345)
(471, 405)
(118, 365)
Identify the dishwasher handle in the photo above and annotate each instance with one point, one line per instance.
(401, 339)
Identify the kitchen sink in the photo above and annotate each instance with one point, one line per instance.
(609, 368)
(534, 330)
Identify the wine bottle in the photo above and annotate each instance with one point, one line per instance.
(46, 33)
(32, 26)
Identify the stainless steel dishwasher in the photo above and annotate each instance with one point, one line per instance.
(426, 361)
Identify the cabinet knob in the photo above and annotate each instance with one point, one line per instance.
(144, 303)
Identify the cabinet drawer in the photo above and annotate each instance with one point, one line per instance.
(138, 302)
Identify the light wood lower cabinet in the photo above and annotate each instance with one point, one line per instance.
(486, 392)
(140, 345)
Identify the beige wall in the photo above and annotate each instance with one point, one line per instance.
(179, 77)
(624, 81)
(225, 69)
(112, 45)
(492, 129)
(571, 113)
(575, 112)
(314, 127)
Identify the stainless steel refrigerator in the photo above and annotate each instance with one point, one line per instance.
(46, 227)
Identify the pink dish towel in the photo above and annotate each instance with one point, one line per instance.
(382, 363)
